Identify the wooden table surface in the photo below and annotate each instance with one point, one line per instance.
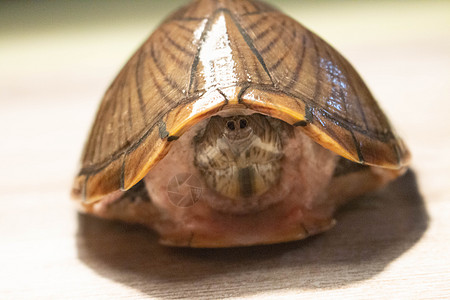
(56, 60)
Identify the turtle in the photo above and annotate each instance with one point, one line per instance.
(234, 125)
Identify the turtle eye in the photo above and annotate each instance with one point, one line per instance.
(230, 125)
(242, 123)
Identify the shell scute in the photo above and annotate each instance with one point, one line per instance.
(212, 55)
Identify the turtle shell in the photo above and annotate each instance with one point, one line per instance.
(215, 55)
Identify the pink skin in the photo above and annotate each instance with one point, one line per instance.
(291, 210)
(302, 203)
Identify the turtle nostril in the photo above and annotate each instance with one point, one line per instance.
(230, 125)
(243, 123)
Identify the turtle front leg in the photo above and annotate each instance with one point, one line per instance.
(133, 206)
(351, 180)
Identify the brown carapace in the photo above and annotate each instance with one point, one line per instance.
(215, 61)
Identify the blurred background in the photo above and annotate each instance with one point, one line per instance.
(58, 57)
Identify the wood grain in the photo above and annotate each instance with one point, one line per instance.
(392, 244)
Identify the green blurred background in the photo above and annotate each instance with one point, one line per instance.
(31, 17)
(57, 59)
(67, 52)
(93, 38)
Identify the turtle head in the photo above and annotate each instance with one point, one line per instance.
(239, 158)
(237, 128)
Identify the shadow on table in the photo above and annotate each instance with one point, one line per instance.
(371, 233)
